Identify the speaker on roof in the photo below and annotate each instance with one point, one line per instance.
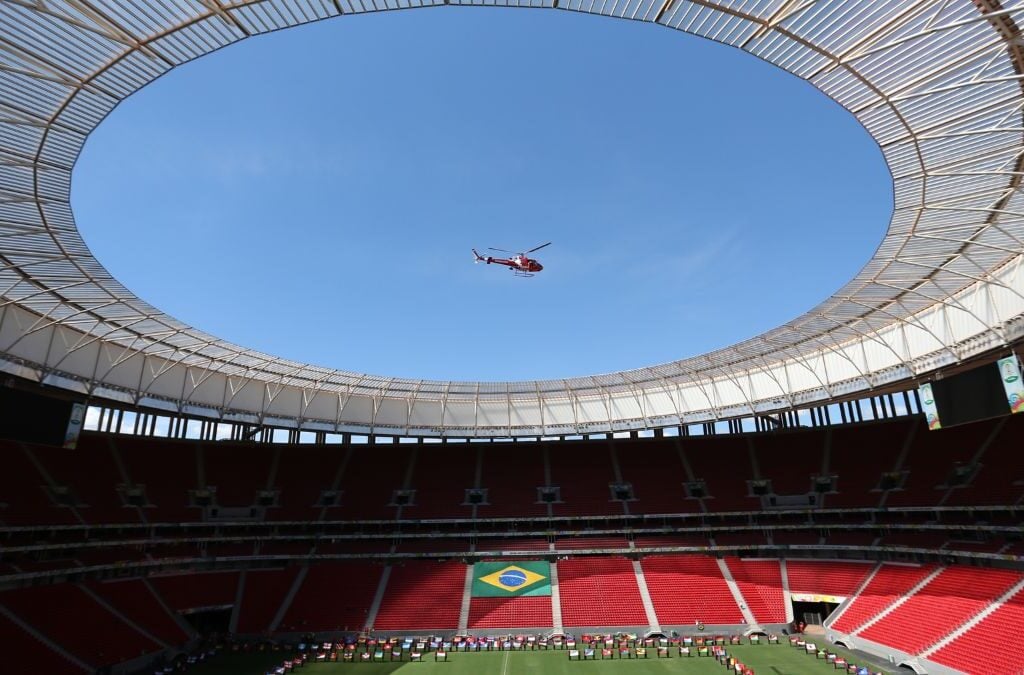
(29, 415)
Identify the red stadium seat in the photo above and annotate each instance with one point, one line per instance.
(421, 595)
(264, 592)
(517, 612)
(889, 583)
(335, 597)
(826, 577)
(689, 588)
(760, 583)
(600, 592)
(990, 645)
(80, 625)
(941, 606)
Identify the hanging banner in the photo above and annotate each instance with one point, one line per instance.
(931, 413)
(1009, 373)
(815, 597)
(74, 425)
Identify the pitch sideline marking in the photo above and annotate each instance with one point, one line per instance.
(504, 667)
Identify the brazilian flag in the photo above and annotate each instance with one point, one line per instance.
(507, 580)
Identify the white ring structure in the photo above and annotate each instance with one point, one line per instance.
(937, 84)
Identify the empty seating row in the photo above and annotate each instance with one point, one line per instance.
(23, 653)
(600, 592)
(888, 584)
(133, 599)
(73, 619)
(939, 607)
(760, 583)
(422, 594)
(128, 479)
(688, 588)
(832, 577)
(335, 597)
(263, 593)
(991, 645)
(100, 623)
(515, 612)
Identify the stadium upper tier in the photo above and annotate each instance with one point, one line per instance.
(938, 85)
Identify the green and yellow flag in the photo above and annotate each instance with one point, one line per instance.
(506, 580)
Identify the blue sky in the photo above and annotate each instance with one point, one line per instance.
(315, 193)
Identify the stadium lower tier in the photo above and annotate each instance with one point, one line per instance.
(292, 539)
(937, 613)
(124, 479)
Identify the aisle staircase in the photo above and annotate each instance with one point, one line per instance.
(832, 618)
(748, 616)
(288, 598)
(121, 616)
(975, 620)
(378, 597)
(556, 601)
(43, 639)
(178, 619)
(467, 598)
(645, 597)
(786, 600)
(899, 602)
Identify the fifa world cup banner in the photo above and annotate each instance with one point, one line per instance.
(509, 580)
(931, 413)
(1009, 373)
(74, 426)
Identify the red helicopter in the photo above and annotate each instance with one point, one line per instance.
(519, 263)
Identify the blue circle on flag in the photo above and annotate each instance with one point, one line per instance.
(512, 578)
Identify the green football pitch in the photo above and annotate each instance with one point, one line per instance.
(778, 659)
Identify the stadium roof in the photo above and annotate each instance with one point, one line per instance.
(937, 83)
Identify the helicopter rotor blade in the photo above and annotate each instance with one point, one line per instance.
(539, 247)
(491, 248)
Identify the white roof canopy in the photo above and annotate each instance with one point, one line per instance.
(937, 83)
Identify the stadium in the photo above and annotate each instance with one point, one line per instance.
(838, 493)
